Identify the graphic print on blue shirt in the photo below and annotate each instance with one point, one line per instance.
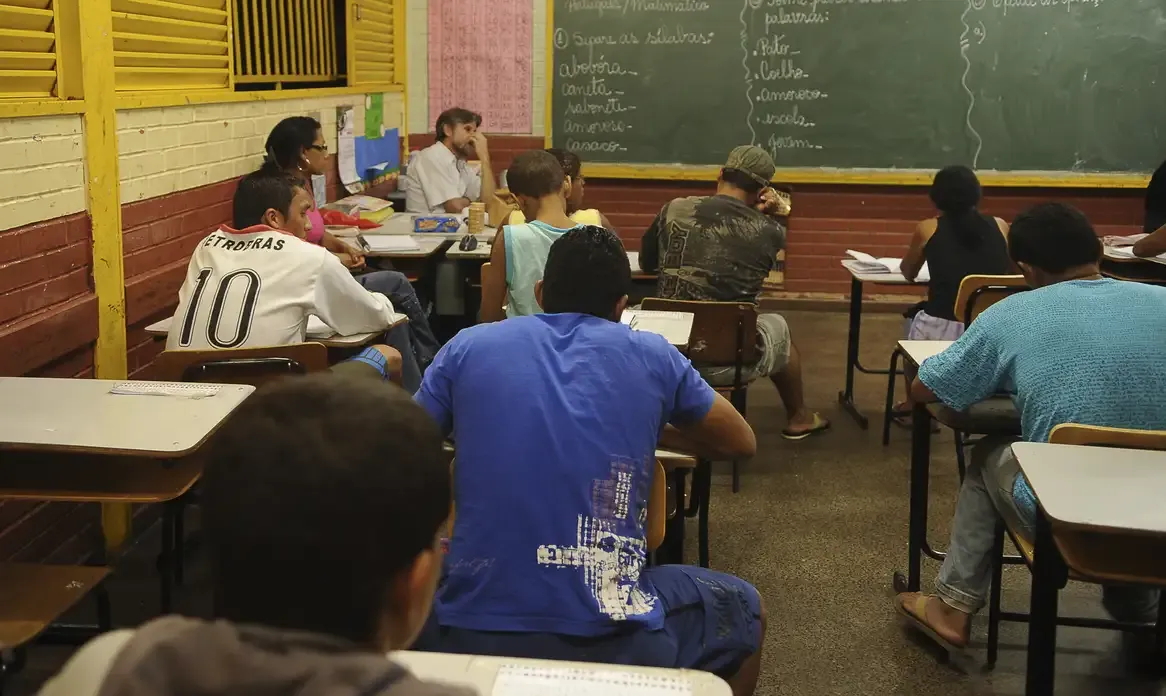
(556, 418)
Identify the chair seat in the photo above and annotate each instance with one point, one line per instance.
(36, 595)
(996, 416)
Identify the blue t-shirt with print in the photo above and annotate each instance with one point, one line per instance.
(556, 418)
(1090, 352)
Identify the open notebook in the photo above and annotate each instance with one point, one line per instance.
(1122, 248)
(388, 242)
(674, 326)
(517, 680)
(865, 263)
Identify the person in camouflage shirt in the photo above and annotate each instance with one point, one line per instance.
(721, 248)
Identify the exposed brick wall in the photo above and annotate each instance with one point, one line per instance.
(41, 172)
(163, 151)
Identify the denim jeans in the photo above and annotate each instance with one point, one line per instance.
(399, 290)
(985, 496)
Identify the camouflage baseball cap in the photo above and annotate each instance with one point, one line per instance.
(754, 161)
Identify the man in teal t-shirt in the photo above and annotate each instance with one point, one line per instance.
(1078, 348)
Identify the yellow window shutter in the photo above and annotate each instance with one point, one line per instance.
(171, 44)
(28, 54)
(372, 41)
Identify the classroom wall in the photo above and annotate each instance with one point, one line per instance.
(827, 220)
(178, 169)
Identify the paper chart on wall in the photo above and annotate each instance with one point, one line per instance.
(346, 148)
(480, 59)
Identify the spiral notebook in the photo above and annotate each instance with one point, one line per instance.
(514, 680)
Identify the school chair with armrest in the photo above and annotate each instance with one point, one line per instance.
(254, 366)
(724, 334)
(996, 416)
(33, 596)
(492, 283)
(1068, 434)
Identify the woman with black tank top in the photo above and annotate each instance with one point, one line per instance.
(1154, 224)
(960, 242)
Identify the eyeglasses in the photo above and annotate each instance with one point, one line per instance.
(321, 148)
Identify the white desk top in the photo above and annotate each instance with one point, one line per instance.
(481, 252)
(662, 454)
(402, 223)
(318, 332)
(918, 351)
(1097, 487)
(82, 415)
(877, 278)
(479, 672)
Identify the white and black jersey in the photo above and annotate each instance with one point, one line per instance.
(258, 286)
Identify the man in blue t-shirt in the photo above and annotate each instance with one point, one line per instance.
(1079, 348)
(556, 418)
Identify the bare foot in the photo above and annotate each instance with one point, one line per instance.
(952, 625)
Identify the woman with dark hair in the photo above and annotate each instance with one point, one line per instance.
(959, 242)
(1154, 223)
(297, 147)
(573, 168)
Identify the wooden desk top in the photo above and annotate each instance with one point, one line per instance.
(81, 415)
(480, 672)
(918, 351)
(318, 332)
(876, 278)
(1097, 488)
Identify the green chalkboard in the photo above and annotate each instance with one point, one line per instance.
(1008, 85)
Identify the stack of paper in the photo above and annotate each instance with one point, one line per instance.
(1127, 252)
(1115, 241)
(355, 205)
(865, 263)
(390, 242)
(674, 326)
(634, 261)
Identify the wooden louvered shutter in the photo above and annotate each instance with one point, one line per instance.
(171, 44)
(372, 41)
(28, 49)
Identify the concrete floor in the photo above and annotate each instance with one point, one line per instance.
(819, 526)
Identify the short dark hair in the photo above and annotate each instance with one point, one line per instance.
(587, 272)
(535, 173)
(740, 179)
(317, 493)
(269, 187)
(1053, 237)
(569, 161)
(955, 190)
(455, 117)
(288, 140)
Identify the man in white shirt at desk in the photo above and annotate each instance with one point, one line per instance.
(438, 179)
(256, 284)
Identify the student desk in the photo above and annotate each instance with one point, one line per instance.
(1132, 270)
(82, 416)
(846, 397)
(74, 440)
(428, 246)
(917, 545)
(160, 329)
(1100, 514)
(481, 673)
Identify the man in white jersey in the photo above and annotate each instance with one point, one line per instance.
(256, 284)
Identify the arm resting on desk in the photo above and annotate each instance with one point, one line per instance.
(1152, 244)
(914, 259)
(723, 434)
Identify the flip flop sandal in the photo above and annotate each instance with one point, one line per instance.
(820, 425)
(917, 620)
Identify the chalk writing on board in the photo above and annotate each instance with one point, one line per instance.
(470, 67)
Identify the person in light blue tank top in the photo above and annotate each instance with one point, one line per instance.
(1078, 348)
(519, 252)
